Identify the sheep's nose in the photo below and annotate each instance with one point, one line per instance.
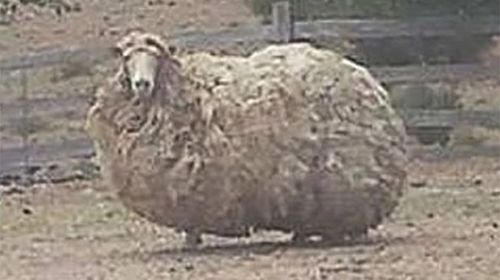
(142, 85)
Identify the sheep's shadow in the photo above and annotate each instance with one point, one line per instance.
(268, 247)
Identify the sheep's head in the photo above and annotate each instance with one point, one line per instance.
(142, 55)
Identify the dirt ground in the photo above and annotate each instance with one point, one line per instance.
(447, 227)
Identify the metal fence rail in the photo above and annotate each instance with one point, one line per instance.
(75, 105)
(333, 29)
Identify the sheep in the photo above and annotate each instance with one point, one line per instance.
(290, 138)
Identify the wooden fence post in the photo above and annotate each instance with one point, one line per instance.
(282, 21)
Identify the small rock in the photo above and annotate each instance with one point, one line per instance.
(155, 2)
(114, 31)
(494, 225)
(418, 184)
(411, 224)
(189, 267)
(59, 31)
(27, 211)
(77, 7)
(109, 214)
(430, 215)
(477, 181)
(233, 24)
(331, 270)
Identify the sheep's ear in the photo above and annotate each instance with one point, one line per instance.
(157, 42)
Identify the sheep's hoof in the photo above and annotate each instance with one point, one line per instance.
(333, 239)
(299, 238)
(362, 233)
(359, 236)
(343, 238)
(193, 240)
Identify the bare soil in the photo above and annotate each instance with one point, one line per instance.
(447, 227)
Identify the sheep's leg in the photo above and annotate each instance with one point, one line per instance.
(342, 237)
(299, 237)
(333, 238)
(359, 235)
(193, 239)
